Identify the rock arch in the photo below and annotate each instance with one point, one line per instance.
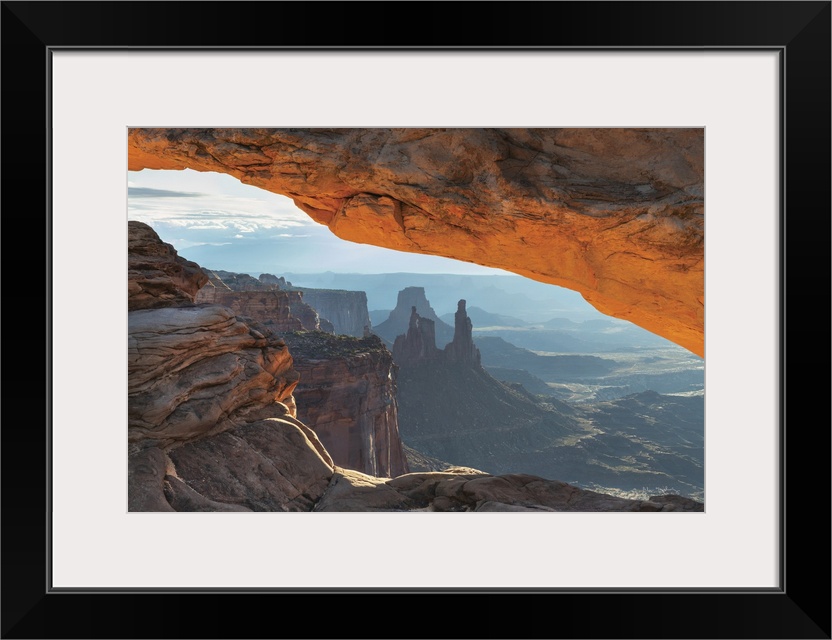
(616, 214)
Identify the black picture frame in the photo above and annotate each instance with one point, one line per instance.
(799, 31)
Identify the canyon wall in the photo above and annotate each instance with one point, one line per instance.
(347, 394)
(616, 214)
(346, 310)
(280, 310)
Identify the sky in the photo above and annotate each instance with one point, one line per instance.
(221, 223)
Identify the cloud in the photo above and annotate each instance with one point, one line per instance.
(147, 192)
(188, 244)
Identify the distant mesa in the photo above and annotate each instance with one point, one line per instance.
(399, 320)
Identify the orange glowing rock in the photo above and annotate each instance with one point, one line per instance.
(616, 214)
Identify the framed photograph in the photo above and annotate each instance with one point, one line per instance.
(754, 76)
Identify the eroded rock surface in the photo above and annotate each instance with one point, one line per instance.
(347, 395)
(346, 310)
(156, 275)
(462, 350)
(401, 318)
(248, 297)
(268, 465)
(418, 344)
(471, 490)
(196, 371)
(617, 214)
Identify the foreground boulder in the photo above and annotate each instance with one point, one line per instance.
(196, 371)
(268, 465)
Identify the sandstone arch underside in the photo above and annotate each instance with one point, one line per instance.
(616, 214)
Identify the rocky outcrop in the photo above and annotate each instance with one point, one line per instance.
(211, 416)
(197, 371)
(237, 281)
(274, 281)
(399, 321)
(418, 344)
(462, 349)
(616, 213)
(268, 465)
(277, 309)
(466, 489)
(156, 275)
(346, 310)
(347, 395)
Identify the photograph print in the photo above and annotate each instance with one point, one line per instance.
(416, 320)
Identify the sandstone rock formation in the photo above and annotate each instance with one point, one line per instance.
(617, 214)
(268, 465)
(211, 416)
(156, 275)
(196, 371)
(462, 349)
(346, 310)
(400, 318)
(212, 422)
(277, 309)
(347, 395)
(470, 490)
(238, 281)
(418, 345)
(274, 281)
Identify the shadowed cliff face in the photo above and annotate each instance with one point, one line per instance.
(347, 395)
(616, 214)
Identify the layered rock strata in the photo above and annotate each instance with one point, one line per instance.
(617, 214)
(211, 418)
(156, 275)
(199, 370)
(280, 310)
(347, 394)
